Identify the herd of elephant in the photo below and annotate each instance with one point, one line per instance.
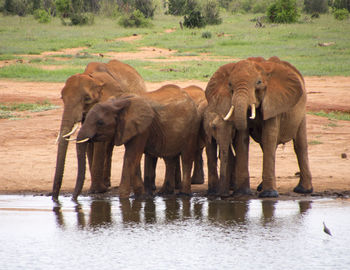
(257, 98)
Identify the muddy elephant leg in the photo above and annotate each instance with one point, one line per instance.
(224, 184)
(212, 161)
(150, 164)
(269, 145)
(177, 173)
(242, 160)
(108, 163)
(198, 172)
(96, 170)
(169, 181)
(300, 148)
(131, 164)
(187, 158)
(232, 169)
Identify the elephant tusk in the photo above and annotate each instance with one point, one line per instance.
(233, 150)
(228, 115)
(253, 111)
(58, 138)
(83, 140)
(74, 129)
(70, 139)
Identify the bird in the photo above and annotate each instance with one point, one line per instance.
(326, 230)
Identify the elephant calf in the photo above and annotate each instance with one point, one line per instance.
(163, 123)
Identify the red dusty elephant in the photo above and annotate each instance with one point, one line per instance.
(163, 123)
(266, 98)
(97, 83)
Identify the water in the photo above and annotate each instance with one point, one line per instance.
(173, 233)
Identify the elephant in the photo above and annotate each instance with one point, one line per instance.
(97, 83)
(162, 123)
(273, 93)
(222, 140)
(198, 96)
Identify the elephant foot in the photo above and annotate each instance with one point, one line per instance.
(259, 188)
(243, 191)
(165, 192)
(184, 194)
(268, 194)
(98, 188)
(301, 190)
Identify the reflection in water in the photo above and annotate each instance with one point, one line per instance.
(173, 209)
(159, 233)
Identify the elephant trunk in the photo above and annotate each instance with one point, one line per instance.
(66, 127)
(81, 155)
(240, 113)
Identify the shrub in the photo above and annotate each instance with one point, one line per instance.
(283, 11)
(194, 19)
(146, 7)
(42, 16)
(81, 18)
(134, 19)
(206, 34)
(340, 4)
(341, 14)
(211, 12)
(63, 8)
(177, 7)
(18, 7)
(319, 6)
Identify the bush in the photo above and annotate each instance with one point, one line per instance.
(211, 12)
(42, 16)
(18, 7)
(194, 19)
(313, 6)
(177, 7)
(134, 19)
(283, 11)
(63, 8)
(341, 14)
(340, 4)
(81, 18)
(146, 7)
(206, 34)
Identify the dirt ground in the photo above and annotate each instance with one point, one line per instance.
(28, 149)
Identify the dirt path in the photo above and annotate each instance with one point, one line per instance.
(28, 149)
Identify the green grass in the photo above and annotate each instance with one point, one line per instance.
(296, 43)
(11, 110)
(333, 115)
(315, 142)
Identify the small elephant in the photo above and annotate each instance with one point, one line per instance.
(97, 83)
(162, 123)
(266, 98)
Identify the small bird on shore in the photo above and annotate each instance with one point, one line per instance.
(326, 230)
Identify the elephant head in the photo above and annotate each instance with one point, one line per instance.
(118, 119)
(272, 86)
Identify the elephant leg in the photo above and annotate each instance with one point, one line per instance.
(301, 151)
(232, 171)
(187, 158)
(177, 173)
(96, 170)
(198, 172)
(269, 145)
(108, 163)
(150, 164)
(90, 154)
(212, 160)
(169, 181)
(242, 160)
(224, 184)
(132, 158)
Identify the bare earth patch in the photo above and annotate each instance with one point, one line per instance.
(28, 150)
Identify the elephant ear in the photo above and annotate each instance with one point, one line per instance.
(134, 120)
(285, 86)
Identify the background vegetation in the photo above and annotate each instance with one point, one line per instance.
(316, 45)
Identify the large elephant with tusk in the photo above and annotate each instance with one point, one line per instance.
(97, 83)
(268, 99)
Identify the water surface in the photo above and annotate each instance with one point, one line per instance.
(173, 233)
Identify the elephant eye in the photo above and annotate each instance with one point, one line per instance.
(100, 122)
(87, 99)
(259, 82)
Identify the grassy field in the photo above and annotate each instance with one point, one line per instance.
(236, 38)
